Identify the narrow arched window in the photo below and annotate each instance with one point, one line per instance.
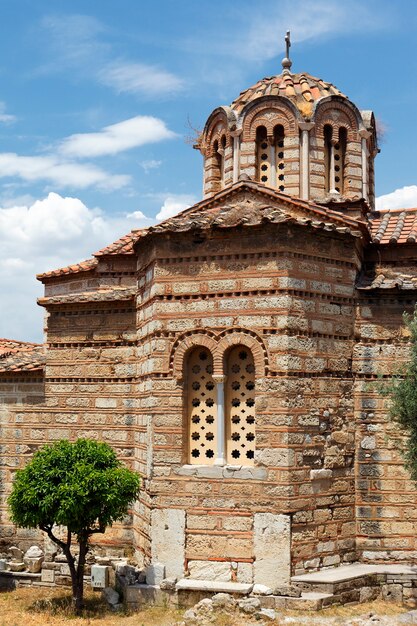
(201, 407)
(263, 165)
(240, 406)
(327, 131)
(279, 157)
(339, 160)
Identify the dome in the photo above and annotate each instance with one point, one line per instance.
(296, 134)
(302, 89)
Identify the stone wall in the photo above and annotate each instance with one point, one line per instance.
(21, 395)
(263, 287)
(386, 511)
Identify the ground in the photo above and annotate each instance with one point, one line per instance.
(40, 607)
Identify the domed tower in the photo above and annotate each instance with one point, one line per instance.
(296, 134)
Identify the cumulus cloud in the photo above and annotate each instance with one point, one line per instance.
(139, 78)
(115, 138)
(54, 170)
(402, 198)
(49, 233)
(6, 118)
(173, 204)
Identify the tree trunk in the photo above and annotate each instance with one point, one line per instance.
(78, 596)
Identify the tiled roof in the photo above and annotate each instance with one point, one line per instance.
(83, 266)
(124, 245)
(18, 356)
(225, 210)
(387, 279)
(397, 226)
(101, 295)
(302, 89)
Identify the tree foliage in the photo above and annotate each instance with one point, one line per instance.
(80, 485)
(402, 394)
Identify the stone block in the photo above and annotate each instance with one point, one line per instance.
(48, 575)
(168, 540)
(209, 570)
(272, 538)
(155, 573)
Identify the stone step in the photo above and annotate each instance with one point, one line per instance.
(357, 582)
(308, 601)
(213, 586)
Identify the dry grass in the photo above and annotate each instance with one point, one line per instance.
(52, 607)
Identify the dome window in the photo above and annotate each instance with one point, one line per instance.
(270, 163)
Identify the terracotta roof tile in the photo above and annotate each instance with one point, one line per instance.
(124, 245)
(301, 88)
(387, 279)
(216, 212)
(83, 266)
(19, 356)
(112, 294)
(393, 227)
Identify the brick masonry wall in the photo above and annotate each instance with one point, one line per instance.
(21, 394)
(386, 511)
(263, 285)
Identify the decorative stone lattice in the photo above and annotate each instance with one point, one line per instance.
(240, 406)
(202, 408)
(279, 158)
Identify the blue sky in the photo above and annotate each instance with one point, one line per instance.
(96, 100)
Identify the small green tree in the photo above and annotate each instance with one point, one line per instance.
(80, 485)
(402, 393)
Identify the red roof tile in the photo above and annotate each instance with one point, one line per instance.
(301, 88)
(20, 356)
(83, 266)
(124, 245)
(111, 294)
(394, 227)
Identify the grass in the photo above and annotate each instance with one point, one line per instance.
(31, 606)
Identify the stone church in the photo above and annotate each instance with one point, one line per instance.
(228, 353)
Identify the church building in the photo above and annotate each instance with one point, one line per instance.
(229, 354)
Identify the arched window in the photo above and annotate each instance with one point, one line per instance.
(335, 141)
(263, 163)
(201, 407)
(339, 160)
(279, 156)
(327, 131)
(240, 406)
(270, 163)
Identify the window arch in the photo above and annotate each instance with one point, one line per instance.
(263, 165)
(270, 163)
(220, 409)
(240, 406)
(201, 407)
(335, 142)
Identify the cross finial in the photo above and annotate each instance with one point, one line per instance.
(286, 62)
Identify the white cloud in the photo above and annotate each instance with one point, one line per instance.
(152, 164)
(173, 204)
(77, 42)
(402, 198)
(6, 118)
(47, 234)
(124, 135)
(53, 169)
(263, 31)
(139, 78)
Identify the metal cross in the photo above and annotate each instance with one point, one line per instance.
(287, 44)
